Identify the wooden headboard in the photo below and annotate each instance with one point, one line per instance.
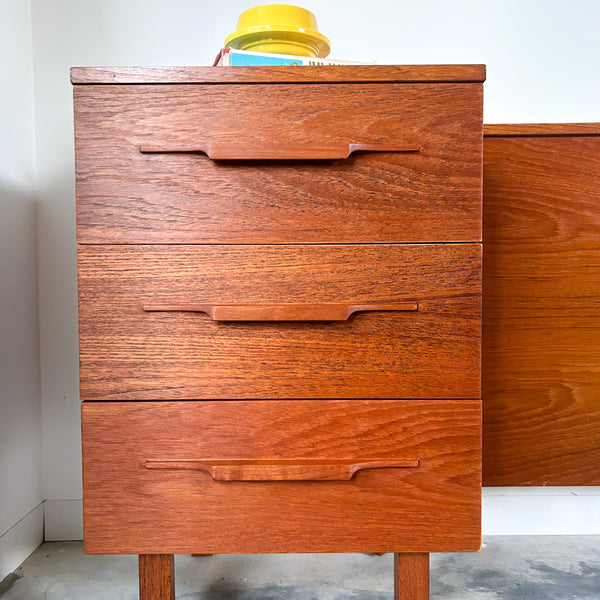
(541, 305)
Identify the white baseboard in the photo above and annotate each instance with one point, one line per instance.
(21, 540)
(505, 511)
(541, 511)
(63, 520)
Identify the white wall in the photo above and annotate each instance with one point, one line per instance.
(20, 412)
(542, 62)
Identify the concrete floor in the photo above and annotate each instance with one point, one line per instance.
(508, 568)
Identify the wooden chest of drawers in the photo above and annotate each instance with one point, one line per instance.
(280, 298)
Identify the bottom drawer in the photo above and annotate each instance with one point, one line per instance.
(282, 476)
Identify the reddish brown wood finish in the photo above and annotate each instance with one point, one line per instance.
(541, 318)
(279, 470)
(130, 508)
(127, 196)
(277, 151)
(539, 130)
(281, 312)
(129, 354)
(339, 73)
(157, 577)
(411, 576)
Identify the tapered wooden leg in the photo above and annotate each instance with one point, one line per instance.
(411, 576)
(157, 577)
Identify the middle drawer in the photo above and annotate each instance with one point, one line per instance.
(281, 321)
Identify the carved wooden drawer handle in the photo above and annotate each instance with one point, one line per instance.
(280, 312)
(280, 470)
(240, 151)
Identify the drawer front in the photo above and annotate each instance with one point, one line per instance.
(156, 321)
(278, 172)
(281, 476)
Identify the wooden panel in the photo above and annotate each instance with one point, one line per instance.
(339, 73)
(127, 353)
(541, 318)
(542, 130)
(128, 196)
(132, 509)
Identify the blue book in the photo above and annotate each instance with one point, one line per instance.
(228, 57)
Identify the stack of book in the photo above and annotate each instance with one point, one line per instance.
(228, 57)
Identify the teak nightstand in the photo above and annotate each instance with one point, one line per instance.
(280, 312)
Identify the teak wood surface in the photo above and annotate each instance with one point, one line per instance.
(271, 313)
(541, 130)
(294, 469)
(128, 353)
(130, 508)
(157, 577)
(143, 174)
(411, 576)
(306, 74)
(541, 306)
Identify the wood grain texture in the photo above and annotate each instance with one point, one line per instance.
(157, 577)
(129, 354)
(541, 317)
(131, 509)
(276, 151)
(542, 130)
(411, 576)
(281, 312)
(279, 470)
(308, 74)
(126, 196)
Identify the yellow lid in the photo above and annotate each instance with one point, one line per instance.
(279, 28)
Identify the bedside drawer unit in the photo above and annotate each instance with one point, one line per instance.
(282, 476)
(280, 312)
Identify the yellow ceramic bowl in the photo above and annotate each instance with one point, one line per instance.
(281, 29)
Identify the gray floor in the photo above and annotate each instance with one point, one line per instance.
(508, 568)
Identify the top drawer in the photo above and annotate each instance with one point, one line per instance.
(266, 163)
